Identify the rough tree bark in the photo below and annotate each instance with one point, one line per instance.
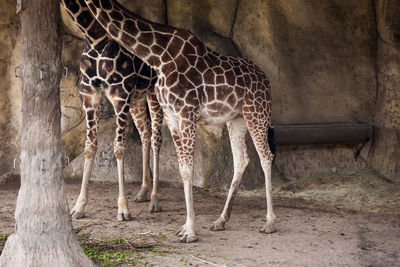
(43, 232)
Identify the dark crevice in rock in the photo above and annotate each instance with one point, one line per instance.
(233, 29)
(375, 53)
(165, 4)
(234, 19)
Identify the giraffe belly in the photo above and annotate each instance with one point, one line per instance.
(214, 117)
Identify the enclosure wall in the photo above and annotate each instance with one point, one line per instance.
(325, 59)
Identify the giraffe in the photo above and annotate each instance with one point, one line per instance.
(198, 85)
(108, 68)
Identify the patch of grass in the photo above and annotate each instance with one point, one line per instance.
(362, 247)
(205, 187)
(113, 258)
(163, 236)
(121, 250)
(111, 252)
(3, 239)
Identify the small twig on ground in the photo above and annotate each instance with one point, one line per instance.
(82, 220)
(78, 229)
(145, 233)
(207, 262)
(137, 214)
(129, 244)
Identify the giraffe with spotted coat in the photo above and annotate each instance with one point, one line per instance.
(110, 69)
(198, 85)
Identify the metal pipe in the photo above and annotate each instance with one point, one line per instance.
(322, 133)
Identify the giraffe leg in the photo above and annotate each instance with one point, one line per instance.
(138, 111)
(183, 133)
(156, 114)
(121, 108)
(237, 134)
(91, 101)
(258, 128)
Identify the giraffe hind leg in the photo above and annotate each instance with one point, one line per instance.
(258, 124)
(138, 111)
(183, 133)
(157, 116)
(237, 134)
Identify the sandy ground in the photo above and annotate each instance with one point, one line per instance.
(308, 234)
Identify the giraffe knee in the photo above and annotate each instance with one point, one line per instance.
(156, 143)
(270, 157)
(119, 152)
(240, 163)
(90, 151)
(267, 159)
(145, 137)
(186, 172)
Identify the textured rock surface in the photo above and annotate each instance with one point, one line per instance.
(212, 21)
(73, 125)
(318, 55)
(324, 58)
(10, 87)
(105, 165)
(385, 152)
(321, 62)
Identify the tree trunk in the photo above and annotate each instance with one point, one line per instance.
(43, 232)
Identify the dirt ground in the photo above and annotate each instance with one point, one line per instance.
(312, 231)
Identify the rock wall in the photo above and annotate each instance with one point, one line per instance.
(320, 57)
(324, 59)
(10, 86)
(385, 153)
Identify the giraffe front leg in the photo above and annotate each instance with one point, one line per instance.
(78, 211)
(121, 108)
(123, 212)
(237, 134)
(183, 132)
(187, 231)
(156, 114)
(91, 100)
(138, 111)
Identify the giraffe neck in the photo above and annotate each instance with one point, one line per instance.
(150, 41)
(80, 14)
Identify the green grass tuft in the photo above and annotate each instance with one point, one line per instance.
(3, 239)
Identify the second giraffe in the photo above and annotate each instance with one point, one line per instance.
(107, 68)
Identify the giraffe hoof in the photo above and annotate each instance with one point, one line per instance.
(123, 217)
(268, 228)
(186, 238)
(217, 226)
(181, 232)
(141, 196)
(154, 205)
